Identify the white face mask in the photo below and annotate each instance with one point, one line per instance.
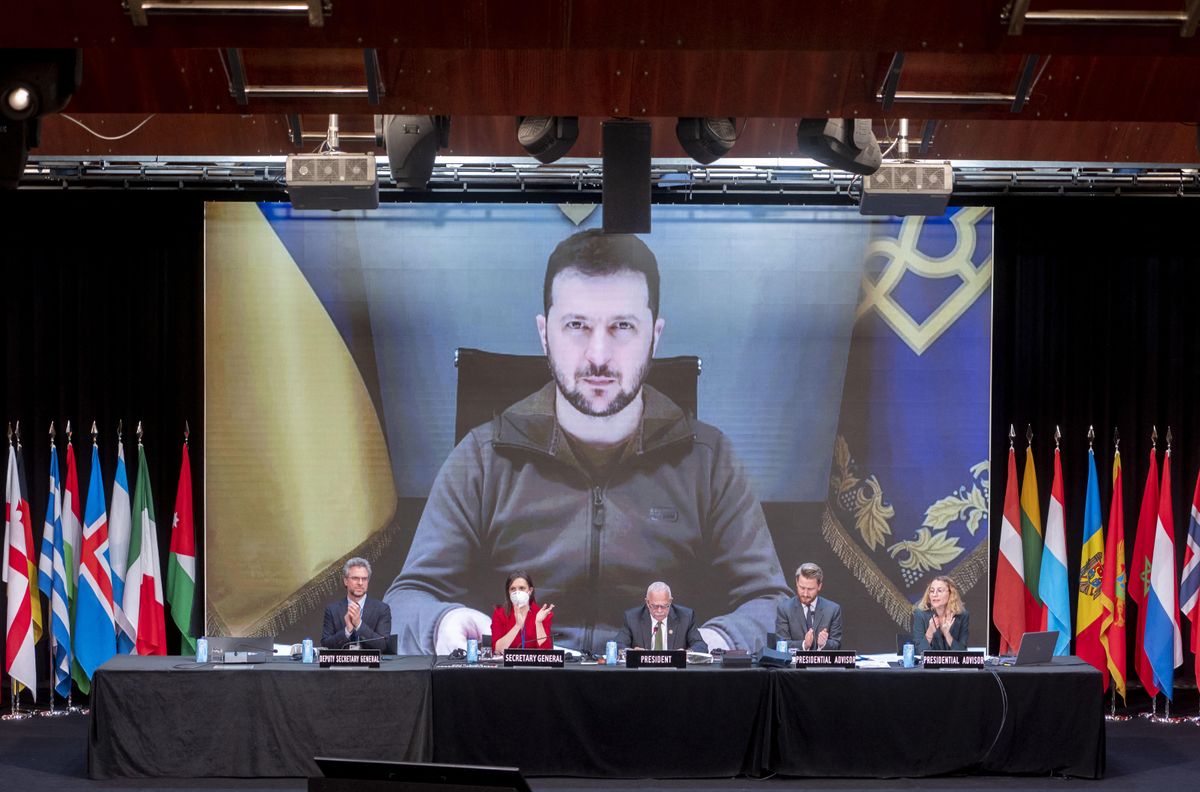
(520, 599)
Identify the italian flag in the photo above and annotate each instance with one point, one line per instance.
(143, 601)
(181, 563)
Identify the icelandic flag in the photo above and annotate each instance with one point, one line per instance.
(60, 615)
(1053, 586)
(1163, 643)
(120, 527)
(95, 627)
(1189, 582)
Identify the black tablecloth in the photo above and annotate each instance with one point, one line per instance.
(611, 722)
(914, 722)
(163, 716)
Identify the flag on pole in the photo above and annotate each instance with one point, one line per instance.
(120, 527)
(1053, 583)
(1163, 643)
(1139, 568)
(1189, 581)
(1008, 611)
(19, 640)
(1089, 610)
(95, 627)
(52, 548)
(181, 564)
(1031, 543)
(31, 548)
(72, 525)
(143, 590)
(1112, 594)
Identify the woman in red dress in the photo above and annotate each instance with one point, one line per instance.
(521, 623)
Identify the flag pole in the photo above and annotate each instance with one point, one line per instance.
(71, 708)
(14, 700)
(52, 712)
(1112, 708)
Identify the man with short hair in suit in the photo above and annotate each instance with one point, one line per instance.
(357, 618)
(807, 621)
(660, 624)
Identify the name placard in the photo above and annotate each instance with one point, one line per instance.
(936, 659)
(348, 658)
(826, 658)
(651, 658)
(534, 658)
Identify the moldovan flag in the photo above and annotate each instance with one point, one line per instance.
(143, 586)
(1089, 611)
(19, 639)
(1053, 583)
(1189, 583)
(1164, 646)
(1112, 593)
(120, 528)
(181, 563)
(1008, 612)
(95, 628)
(1031, 544)
(60, 614)
(1139, 567)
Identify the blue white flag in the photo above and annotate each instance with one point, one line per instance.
(1053, 584)
(55, 580)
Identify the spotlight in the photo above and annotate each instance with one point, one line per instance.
(547, 138)
(412, 144)
(706, 140)
(33, 83)
(848, 144)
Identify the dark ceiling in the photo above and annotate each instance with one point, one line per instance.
(996, 88)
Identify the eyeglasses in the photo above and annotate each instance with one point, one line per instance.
(658, 607)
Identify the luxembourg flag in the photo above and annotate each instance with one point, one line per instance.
(1189, 582)
(120, 528)
(1053, 585)
(95, 628)
(1164, 645)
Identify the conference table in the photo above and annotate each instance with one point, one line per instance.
(166, 717)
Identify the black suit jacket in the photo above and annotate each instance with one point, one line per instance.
(960, 631)
(789, 622)
(682, 632)
(376, 623)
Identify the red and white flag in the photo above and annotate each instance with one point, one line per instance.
(19, 560)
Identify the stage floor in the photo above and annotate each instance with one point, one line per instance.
(47, 754)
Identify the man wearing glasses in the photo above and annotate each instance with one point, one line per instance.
(660, 624)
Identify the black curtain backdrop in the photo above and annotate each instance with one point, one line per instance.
(102, 299)
(1096, 324)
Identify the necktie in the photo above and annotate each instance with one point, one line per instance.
(658, 638)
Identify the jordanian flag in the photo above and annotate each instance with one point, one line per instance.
(181, 564)
(143, 578)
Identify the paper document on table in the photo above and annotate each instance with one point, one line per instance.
(885, 660)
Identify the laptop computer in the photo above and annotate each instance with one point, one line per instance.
(240, 649)
(1037, 648)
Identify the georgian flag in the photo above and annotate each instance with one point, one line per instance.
(18, 564)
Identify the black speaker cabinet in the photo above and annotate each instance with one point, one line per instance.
(626, 177)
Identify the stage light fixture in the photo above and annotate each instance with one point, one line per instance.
(547, 138)
(33, 83)
(412, 144)
(843, 143)
(706, 140)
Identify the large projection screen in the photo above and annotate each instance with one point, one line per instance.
(846, 364)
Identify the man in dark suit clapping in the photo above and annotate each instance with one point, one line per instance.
(808, 621)
(660, 624)
(357, 618)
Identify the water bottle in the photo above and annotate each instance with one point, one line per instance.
(472, 650)
(610, 653)
(201, 650)
(309, 654)
(909, 662)
(781, 646)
